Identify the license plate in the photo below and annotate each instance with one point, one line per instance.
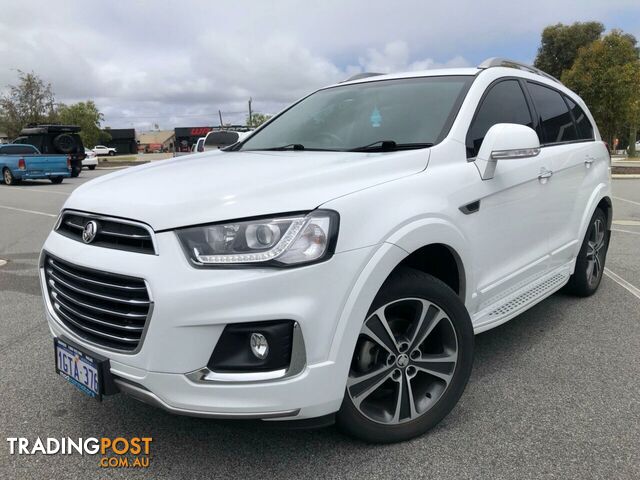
(79, 369)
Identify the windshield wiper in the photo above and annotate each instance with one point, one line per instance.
(389, 146)
(291, 146)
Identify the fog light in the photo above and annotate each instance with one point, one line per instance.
(259, 346)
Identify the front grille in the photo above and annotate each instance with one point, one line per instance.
(110, 233)
(104, 308)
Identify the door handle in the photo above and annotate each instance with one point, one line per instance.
(544, 174)
(589, 160)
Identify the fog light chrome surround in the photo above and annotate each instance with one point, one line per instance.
(296, 366)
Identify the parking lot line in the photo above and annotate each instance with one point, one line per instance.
(623, 283)
(625, 200)
(624, 231)
(29, 189)
(28, 211)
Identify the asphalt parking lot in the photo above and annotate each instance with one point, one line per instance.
(555, 393)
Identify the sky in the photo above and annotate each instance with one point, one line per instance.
(176, 63)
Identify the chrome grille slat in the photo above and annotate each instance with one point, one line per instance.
(97, 309)
(133, 328)
(97, 332)
(106, 309)
(93, 294)
(116, 233)
(122, 235)
(89, 280)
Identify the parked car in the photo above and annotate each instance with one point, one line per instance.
(198, 146)
(217, 139)
(55, 139)
(90, 160)
(25, 162)
(335, 265)
(102, 150)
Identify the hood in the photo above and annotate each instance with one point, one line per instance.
(218, 186)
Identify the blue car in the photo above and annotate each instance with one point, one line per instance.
(25, 162)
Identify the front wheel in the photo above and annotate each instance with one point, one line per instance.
(591, 258)
(111, 154)
(92, 167)
(412, 360)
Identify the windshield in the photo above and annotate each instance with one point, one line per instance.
(388, 114)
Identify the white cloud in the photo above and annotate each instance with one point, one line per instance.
(178, 63)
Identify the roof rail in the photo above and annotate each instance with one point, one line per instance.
(505, 62)
(359, 76)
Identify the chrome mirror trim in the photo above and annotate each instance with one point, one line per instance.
(515, 153)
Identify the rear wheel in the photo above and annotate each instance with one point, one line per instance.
(591, 258)
(56, 180)
(412, 360)
(75, 171)
(92, 167)
(8, 177)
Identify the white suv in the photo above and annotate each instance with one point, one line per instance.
(335, 264)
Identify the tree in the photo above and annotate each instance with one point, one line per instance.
(560, 44)
(605, 74)
(257, 119)
(30, 101)
(87, 116)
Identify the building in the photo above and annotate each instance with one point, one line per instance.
(158, 141)
(122, 139)
(187, 136)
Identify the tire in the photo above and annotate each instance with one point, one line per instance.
(65, 143)
(92, 167)
(8, 178)
(370, 409)
(75, 171)
(56, 180)
(591, 258)
(111, 153)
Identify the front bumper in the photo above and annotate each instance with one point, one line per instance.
(192, 306)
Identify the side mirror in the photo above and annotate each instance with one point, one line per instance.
(506, 141)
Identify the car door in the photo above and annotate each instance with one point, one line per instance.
(509, 229)
(568, 147)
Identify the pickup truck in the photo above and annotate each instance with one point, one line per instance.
(102, 150)
(25, 162)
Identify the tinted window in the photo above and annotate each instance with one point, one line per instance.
(585, 129)
(410, 111)
(220, 139)
(504, 103)
(555, 119)
(17, 150)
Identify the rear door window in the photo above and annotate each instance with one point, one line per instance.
(583, 124)
(555, 120)
(18, 150)
(503, 103)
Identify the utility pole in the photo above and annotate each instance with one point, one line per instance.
(220, 115)
(250, 119)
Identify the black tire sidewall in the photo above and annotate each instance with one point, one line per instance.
(12, 180)
(413, 283)
(579, 283)
(58, 143)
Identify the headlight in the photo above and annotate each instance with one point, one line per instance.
(277, 241)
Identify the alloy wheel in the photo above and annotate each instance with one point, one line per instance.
(595, 251)
(404, 361)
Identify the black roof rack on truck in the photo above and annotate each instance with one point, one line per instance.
(32, 129)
